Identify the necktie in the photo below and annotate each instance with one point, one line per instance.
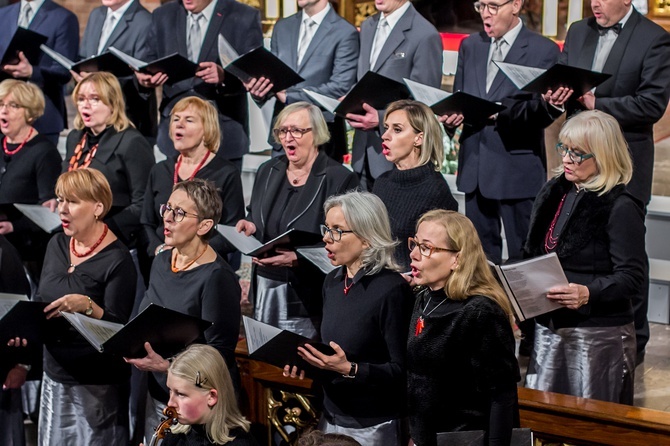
(380, 38)
(25, 16)
(194, 38)
(308, 30)
(107, 29)
(604, 29)
(492, 68)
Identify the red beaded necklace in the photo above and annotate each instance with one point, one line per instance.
(550, 242)
(78, 150)
(197, 168)
(15, 151)
(92, 248)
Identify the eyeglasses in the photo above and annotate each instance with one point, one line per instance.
(10, 106)
(177, 213)
(492, 7)
(575, 157)
(296, 133)
(92, 101)
(199, 380)
(334, 233)
(424, 249)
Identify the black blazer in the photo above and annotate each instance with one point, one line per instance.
(241, 26)
(326, 178)
(125, 158)
(637, 94)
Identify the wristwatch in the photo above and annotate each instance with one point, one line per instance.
(352, 371)
(89, 310)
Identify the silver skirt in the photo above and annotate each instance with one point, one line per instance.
(388, 433)
(274, 304)
(92, 415)
(590, 362)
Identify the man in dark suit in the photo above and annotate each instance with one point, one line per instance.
(125, 25)
(501, 164)
(324, 53)
(397, 43)
(61, 28)
(636, 52)
(172, 31)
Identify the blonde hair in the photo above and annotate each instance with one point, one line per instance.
(109, 91)
(316, 121)
(207, 362)
(598, 133)
(366, 215)
(209, 116)
(87, 185)
(473, 276)
(27, 95)
(423, 120)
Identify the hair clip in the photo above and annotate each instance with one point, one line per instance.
(198, 380)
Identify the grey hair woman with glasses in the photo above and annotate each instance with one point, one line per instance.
(586, 216)
(461, 368)
(193, 279)
(289, 192)
(366, 307)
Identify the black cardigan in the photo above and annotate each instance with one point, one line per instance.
(601, 246)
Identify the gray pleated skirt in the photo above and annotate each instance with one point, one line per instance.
(276, 304)
(91, 415)
(590, 362)
(389, 433)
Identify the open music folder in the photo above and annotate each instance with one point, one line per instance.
(526, 284)
(175, 66)
(26, 41)
(276, 346)
(373, 89)
(257, 63)
(41, 216)
(474, 109)
(167, 331)
(20, 317)
(250, 246)
(539, 80)
(102, 62)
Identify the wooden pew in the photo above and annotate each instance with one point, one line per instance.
(583, 421)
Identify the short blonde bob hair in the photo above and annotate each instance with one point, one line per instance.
(423, 120)
(473, 276)
(109, 91)
(598, 133)
(207, 114)
(316, 121)
(368, 218)
(87, 185)
(207, 362)
(27, 95)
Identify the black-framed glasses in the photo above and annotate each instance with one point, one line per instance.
(199, 380)
(295, 132)
(10, 105)
(425, 249)
(575, 157)
(178, 214)
(335, 234)
(492, 7)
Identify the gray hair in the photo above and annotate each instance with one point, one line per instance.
(368, 218)
(316, 121)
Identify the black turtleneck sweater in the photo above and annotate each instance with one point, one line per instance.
(408, 194)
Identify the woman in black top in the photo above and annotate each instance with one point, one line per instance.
(194, 129)
(586, 216)
(86, 270)
(366, 308)
(461, 368)
(193, 279)
(29, 167)
(202, 393)
(413, 143)
(105, 139)
(289, 192)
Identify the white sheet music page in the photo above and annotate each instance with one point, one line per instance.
(258, 333)
(520, 75)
